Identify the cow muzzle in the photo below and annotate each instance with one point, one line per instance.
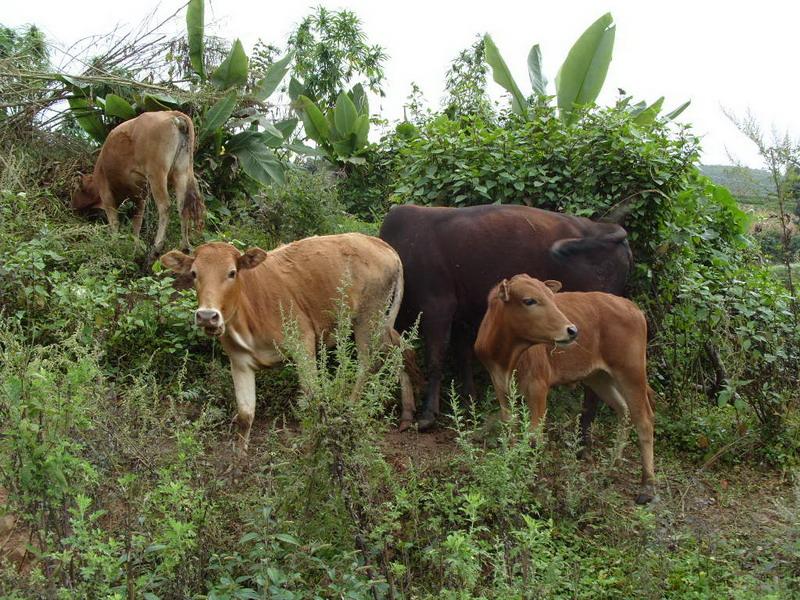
(571, 334)
(210, 320)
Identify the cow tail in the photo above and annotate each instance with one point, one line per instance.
(410, 365)
(194, 209)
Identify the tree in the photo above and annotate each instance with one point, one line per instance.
(332, 54)
(465, 83)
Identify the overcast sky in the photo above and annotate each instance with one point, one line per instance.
(737, 55)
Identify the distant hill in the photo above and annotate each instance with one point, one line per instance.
(749, 186)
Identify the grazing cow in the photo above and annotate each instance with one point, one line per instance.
(154, 149)
(552, 339)
(453, 256)
(241, 298)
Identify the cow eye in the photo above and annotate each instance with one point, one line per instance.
(232, 274)
(528, 301)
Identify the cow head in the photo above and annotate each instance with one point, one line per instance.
(215, 269)
(530, 311)
(85, 194)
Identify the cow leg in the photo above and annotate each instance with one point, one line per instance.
(109, 206)
(158, 186)
(436, 326)
(138, 214)
(244, 384)
(633, 386)
(535, 391)
(181, 183)
(462, 347)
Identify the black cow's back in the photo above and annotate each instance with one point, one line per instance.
(452, 257)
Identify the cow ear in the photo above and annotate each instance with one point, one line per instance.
(177, 261)
(252, 258)
(553, 285)
(503, 292)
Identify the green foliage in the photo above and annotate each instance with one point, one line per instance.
(331, 53)
(465, 83)
(195, 26)
(342, 131)
(306, 205)
(581, 76)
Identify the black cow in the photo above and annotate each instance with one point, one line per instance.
(452, 257)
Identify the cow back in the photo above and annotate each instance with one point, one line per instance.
(456, 256)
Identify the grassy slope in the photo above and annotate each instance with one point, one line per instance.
(720, 529)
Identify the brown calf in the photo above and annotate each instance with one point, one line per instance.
(242, 298)
(552, 339)
(154, 149)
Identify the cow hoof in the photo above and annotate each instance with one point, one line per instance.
(404, 425)
(645, 497)
(426, 422)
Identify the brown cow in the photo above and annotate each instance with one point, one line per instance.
(241, 298)
(155, 149)
(531, 329)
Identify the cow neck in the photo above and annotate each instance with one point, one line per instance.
(256, 300)
(504, 353)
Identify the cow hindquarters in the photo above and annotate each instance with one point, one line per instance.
(244, 384)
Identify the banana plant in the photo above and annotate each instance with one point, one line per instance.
(341, 133)
(578, 81)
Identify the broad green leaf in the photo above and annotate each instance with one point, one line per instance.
(502, 75)
(336, 135)
(117, 106)
(359, 98)
(346, 147)
(581, 77)
(296, 89)
(649, 114)
(674, 114)
(260, 163)
(75, 83)
(538, 80)
(361, 131)
(154, 102)
(345, 115)
(637, 108)
(272, 135)
(303, 149)
(273, 77)
(233, 70)
(195, 22)
(245, 139)
(286, 127)
(313, 120)
(217, 115)
(88, 118)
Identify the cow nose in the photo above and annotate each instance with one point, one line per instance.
(206, 316)
(572, 332)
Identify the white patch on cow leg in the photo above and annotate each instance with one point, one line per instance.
(244, 384)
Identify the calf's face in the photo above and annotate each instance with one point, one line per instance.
(85, 194)
(215, 270)
(531, 313)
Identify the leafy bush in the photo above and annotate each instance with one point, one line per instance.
(307, 205)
